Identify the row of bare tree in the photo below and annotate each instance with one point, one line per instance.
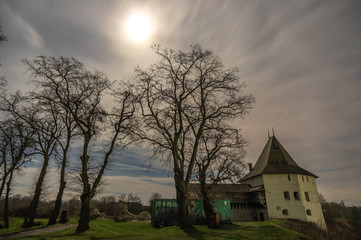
(107, 205)
(65, 104)
(183, 107)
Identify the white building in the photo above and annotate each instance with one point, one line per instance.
(275, 188)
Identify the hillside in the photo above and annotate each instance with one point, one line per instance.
(109, 229)
(338, 229)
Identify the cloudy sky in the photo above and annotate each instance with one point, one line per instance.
(301, 60)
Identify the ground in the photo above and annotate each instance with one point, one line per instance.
(109, 229)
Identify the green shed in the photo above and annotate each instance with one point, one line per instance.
(164, 211)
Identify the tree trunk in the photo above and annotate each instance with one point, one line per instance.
(31, 211)
(6, 204)
(208, 207)
(83, 223)
(56, 210)
(3, 181)
(184, 218)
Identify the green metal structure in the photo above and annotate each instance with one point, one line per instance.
(164, 212)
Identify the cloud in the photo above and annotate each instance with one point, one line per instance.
(301, 59)
(141, 186)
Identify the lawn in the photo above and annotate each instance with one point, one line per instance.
(15, 225)
(109, 229)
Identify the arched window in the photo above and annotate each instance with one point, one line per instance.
(308, 211)
(285, 212)
(287, 195)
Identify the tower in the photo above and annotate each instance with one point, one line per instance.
(289, 190)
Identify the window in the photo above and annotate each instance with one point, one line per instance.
(307, 197)
(287, 195)
(296, 195)
(307, 179)
(289, 177)
(308, 212)
(285, 212)
(303, 179)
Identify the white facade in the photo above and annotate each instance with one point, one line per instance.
(290, 196)
(290, 191)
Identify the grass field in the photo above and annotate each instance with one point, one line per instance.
(109, 229)
(15, 225)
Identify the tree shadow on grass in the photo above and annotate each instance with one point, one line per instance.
(223, 232)
(52, 235)
(194, 233)
(229, 232)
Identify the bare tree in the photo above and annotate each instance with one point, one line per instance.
(182, 95)
(16, 143)
(80, 92)
(47, 132)
(67, 129)
(108, 205)
(153, 197)
(64, 143)
(220, 159)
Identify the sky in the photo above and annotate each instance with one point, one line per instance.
(300, 59)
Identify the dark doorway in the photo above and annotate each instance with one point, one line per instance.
(261, 216)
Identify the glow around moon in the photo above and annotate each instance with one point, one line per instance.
(138, 27)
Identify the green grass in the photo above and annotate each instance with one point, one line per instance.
(15, 225)
(109, 229)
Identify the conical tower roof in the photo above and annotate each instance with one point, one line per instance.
(274, 159)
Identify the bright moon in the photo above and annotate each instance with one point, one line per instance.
(138, 27)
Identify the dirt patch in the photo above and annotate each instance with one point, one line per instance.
(37, 231)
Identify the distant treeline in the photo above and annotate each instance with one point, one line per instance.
(106, 204)
(333, 210)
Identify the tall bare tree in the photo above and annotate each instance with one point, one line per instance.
(47, 132)
(80, 92)
(220, 159)
(64, 141)
(16, 146)
(182, 95)
(67, 129)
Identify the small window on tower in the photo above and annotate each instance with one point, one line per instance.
(287, 195)
(307, 197)
(303, 179)
(296, 195)
(289, 178)
(308, 211)
(285, 212)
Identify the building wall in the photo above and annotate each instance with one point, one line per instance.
(247, 212)
(308, 184)
(277, 204)
(255, 181)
